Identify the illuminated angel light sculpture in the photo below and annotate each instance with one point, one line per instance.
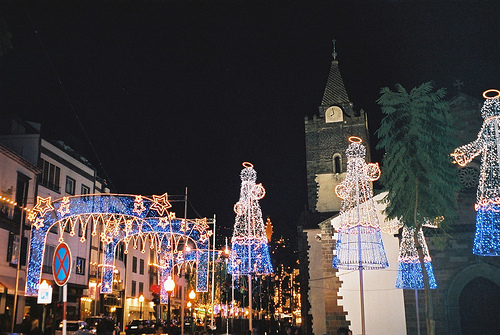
(487, 236)
(135, 220)
(359, 240)
(409, 269)
(249, 250)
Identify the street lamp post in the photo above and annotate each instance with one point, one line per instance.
(141, 300)
(192, 296)
(169, 287)
(190, 313)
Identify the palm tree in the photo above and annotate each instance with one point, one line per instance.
(417, 171)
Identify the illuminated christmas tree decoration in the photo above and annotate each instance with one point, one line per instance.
(487, 235)
(249, 252)
(359, 240)
(120, 218)
(409, 269)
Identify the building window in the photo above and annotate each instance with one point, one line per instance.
(141, 267)
(80, 266)
(21, 196)
(337, 163)
(134, 288)
(151, 278)
(469, 178)
(47, 259)
(85, 189)
(50, 175)
(134, 264)
(17, 248)
(80, 228)
(120, 251)
(70, 185)
(141, 288)
(13, 250)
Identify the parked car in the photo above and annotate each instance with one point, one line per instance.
(92, 321)
(74, 328)
(140, 327)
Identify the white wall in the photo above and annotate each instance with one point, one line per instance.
(384, 304)
(327, 199)
(316, 283)
(10, 165)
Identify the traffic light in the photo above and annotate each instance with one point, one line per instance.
(156, 299)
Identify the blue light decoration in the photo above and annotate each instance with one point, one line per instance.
(409, 269)
(487, 236)
(249, 247)
(359, 240)
(128, 218)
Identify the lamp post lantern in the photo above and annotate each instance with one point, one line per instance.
(141, 300)
(169, 287)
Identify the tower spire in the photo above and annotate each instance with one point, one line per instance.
(335, 92)
(334, 54)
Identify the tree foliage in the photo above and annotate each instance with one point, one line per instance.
(415, 134)
(417, 171)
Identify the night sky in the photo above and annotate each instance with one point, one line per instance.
(176, 94)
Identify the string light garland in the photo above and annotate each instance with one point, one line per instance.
(409, 269)
(249, 249)
(487, 235)
(124, 218)
(359, 240)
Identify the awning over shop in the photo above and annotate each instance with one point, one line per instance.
(9, 284)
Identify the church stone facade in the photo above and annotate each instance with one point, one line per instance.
(466, 300)
(326, 136)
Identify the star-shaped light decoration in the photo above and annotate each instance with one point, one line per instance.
(184, 226)
(163, 222)
(64, 207)
(171, 215)
(200, 224)
(38, 223)
(106, 238)
(32, 216)
(160, 204)
(43, 205)
(138, 205)
(128, 226)
(203, 237)
(112, 226)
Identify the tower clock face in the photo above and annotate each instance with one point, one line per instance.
(333, 114)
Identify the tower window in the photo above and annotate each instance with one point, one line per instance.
(337, 164)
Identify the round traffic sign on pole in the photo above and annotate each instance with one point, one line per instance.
(61, 264)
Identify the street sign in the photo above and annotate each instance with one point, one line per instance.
(61, 264)
(44, 293)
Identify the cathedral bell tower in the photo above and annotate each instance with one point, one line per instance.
(326, 141)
